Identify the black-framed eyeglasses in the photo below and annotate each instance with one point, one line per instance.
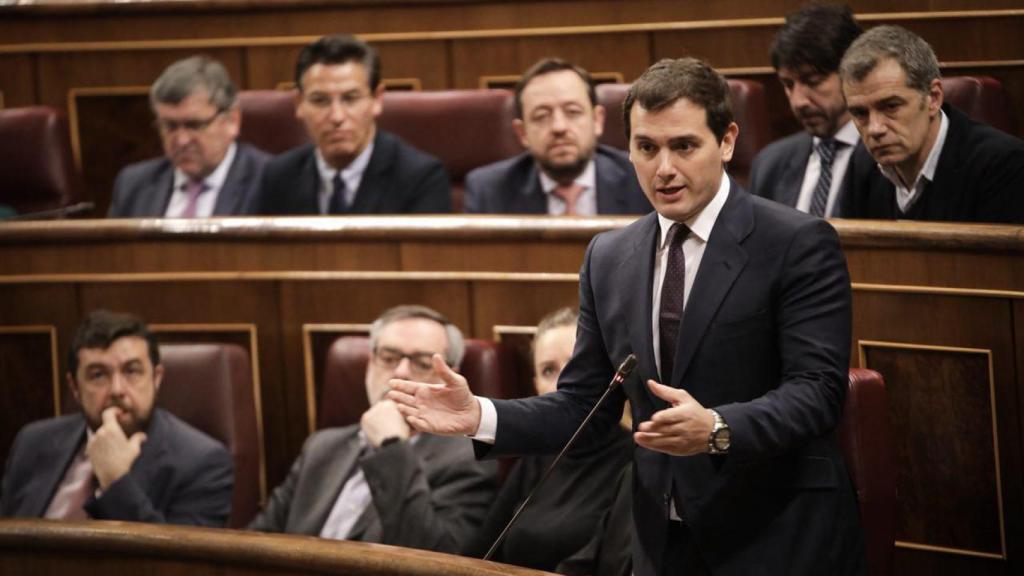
(194, 126)
(421, 364)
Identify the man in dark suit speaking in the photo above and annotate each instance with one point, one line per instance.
(351, 167)
(565, 170)
(120, 458)
(738, 310)
(204, 171)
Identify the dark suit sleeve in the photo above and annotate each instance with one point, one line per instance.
(473, 194)
(274, 517)
(813, 321)
(202, 498)
(432, 192)
(755, 186)
(1001, 197)
(436, 510)
(119, 198)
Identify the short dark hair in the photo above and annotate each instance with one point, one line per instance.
(669, 80)
(817, 36)
(102, 327)
(338, 49)
(547, 66)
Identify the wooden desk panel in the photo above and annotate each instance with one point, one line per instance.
(938, 309)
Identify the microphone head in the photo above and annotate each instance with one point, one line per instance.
(627, 366)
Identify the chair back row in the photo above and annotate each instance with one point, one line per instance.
(464, 128)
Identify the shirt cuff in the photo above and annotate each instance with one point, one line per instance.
(488, 421)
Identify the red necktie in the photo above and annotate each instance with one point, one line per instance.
(569, 194)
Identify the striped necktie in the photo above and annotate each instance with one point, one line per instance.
(826, 153)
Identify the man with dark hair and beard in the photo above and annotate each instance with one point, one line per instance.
(564, 170)
(119, 457)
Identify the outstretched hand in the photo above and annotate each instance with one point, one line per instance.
(447, 408)
(680, 430)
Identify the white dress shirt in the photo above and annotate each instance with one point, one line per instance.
(586, 204)
(207, 200)
(849, 136)
(352, 175)
(906, 197)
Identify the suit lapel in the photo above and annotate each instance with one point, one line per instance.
(232, 192)
(53, 462)
(608, 179)
(530, 198)
(639, 263)
(159, 195)
(372, 189)
(723, 260)
(313, 514)
(792, 177)
(153, 453)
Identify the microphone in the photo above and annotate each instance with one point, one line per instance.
(53, 214)
(620, 376)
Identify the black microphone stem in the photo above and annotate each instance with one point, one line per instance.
(621, 374)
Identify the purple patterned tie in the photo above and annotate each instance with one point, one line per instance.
(673, 291)
(193, 188)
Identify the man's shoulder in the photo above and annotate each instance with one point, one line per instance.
(50, 427)
(613, 154)
(185, 438)
(143, 172)
(328, 439)
(980, 142)
(404, 153)
(781, 150)
(249, 153)
(290, 161)
(501, 170)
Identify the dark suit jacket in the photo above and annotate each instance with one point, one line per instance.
(979, 178)
(765, 340)
(778, 171)
(512, 186)
(430, 494)
(144, 189)
(399, 179)
(182, 476)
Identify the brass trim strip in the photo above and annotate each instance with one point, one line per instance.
(936, 290)
(307, 361)
(499, 329)
(382, 37)
(862, 344)
(51, 331)
(290, 276)
(252, 330)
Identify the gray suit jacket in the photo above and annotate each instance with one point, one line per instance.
(777, 172)
(182, 476)
(430, 494)
(144, 190)
(512, 186)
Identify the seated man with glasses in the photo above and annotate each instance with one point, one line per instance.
(380, 481)
(204, 172)
(351, 167)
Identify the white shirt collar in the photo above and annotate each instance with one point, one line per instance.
(930, 164)
(215, 181)
(700, 225)
(847, 134)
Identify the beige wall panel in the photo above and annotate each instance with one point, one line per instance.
(723, 47)
(951, 269)
(518, 303)
(494, 256)
(269, 66)
(625, 53)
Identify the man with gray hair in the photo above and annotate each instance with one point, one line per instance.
(935, 162)
(380, 481)
(204, 172)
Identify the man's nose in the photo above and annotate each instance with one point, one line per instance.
(798, 96)
(876, 124)
(666, 170)
(117, 384)
(559, 123)
(338, 113)
(403, 370)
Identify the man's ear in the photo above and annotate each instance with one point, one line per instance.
(599, 116)
(378, 100)
(728, 144)
(158, 377)
(935, 97)
(73, 386)
(519, 127)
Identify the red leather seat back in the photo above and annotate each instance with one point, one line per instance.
(488, 367)
(465, 129)
(269, 122)
(983, 98)
(749, 108)
(866, 440)
(36, 160)
(210, 386)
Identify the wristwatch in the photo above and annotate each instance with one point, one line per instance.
(719, 439)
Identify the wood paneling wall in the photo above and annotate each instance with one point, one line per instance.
(84, 57)
(938, 311)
